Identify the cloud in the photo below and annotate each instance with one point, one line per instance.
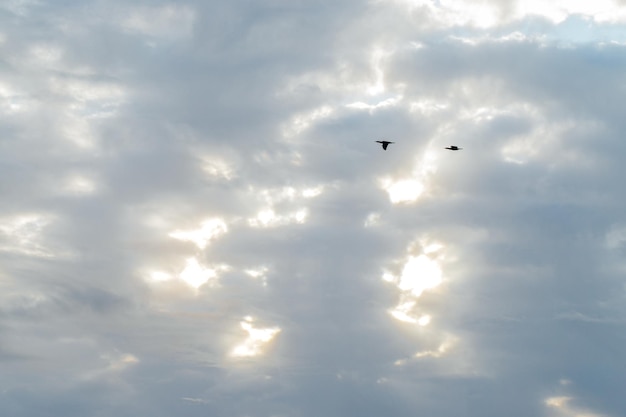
(196, 219)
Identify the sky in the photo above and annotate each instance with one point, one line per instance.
(196, 220)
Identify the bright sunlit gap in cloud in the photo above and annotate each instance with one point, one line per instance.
(403, 191)
(272, 196)
(565, 405)
(448, 343)
(257, 340)
(209, 230)
(403, 310)
(445, 346)
(420, 273)
(562, 406)
(159, 276)
(389, 102)
(409, 190)
(195, 274)
(259, 273)
(269, 218)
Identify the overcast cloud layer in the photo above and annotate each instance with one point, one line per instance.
(195, 219)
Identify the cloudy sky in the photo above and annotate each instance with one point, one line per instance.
(195, 219)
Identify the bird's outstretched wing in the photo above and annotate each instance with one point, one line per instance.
(385, 143)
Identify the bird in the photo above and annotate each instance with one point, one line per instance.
(385, 143)
(453, 148)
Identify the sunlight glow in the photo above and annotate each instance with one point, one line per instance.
(402, 310)
(312, 192)
(256, 341)
(268, 218)
(430, 248)
(159, 276)
(195, 275)
(443, 348)
(563, 406)
(275, 196)
(557, 402)
(419, 274)
(424, 320)
(259, 273)
(390, 102)
(209, 230)
(265, 217)
(389, 277)
(403, 191)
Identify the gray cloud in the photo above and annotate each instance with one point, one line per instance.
(195, 218)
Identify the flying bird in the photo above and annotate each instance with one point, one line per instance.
(385, 143)
(454, 148)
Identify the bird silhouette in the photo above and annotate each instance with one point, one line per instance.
(454, 148)
(385, 143)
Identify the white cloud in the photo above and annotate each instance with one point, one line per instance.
(256, 341)
(209, 230)
(25, 234)
(196, 275)
(403, 191)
